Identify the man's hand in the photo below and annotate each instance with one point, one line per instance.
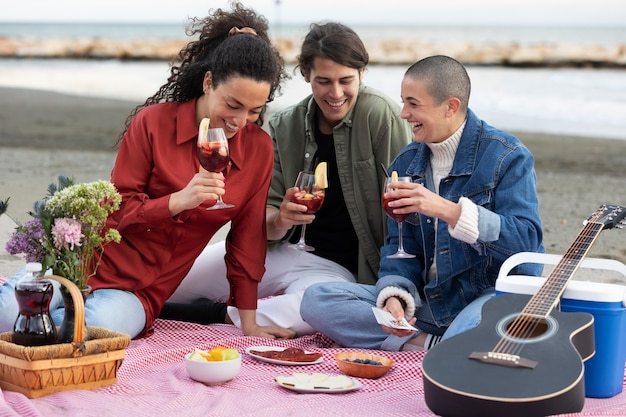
(289, 215)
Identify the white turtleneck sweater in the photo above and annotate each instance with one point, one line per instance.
(441, 160)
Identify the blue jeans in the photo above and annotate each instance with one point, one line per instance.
(343, 312)
(116, 310)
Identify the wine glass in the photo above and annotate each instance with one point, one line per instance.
(308, 195)
(399, 218)
(214, 157)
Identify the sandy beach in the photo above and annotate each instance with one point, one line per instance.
(44, 135)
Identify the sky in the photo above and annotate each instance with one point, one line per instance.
(471, 12)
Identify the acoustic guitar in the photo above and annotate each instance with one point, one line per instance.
(525, 358)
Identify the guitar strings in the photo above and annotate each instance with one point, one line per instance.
(548, 296)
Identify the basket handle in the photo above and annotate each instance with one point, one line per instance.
(79, 307)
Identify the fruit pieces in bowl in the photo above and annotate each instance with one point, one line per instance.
(363, 365)
(215, 366)
(218, 353)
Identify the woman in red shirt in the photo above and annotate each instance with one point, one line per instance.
(228, 75)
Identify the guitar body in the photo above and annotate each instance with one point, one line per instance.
(455, 385)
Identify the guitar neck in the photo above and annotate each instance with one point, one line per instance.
(548, 296)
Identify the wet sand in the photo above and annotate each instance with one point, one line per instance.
(44, 135)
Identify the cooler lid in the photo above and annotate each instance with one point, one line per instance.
(576, 290)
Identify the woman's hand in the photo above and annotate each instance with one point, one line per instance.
(409, 197)
(203, 186)
(249, 327)
(289, 215)
(270, 332)
(394, 306)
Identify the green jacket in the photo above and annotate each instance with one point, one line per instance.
(371, 134)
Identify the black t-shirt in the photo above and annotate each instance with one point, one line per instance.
(331, 233)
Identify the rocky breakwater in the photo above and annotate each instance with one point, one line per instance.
(382, 51)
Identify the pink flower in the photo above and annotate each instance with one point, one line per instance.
(66, 233)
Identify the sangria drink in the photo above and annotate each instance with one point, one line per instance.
(399, 218)
(313, 201)
(389, 210)
(213, 156)
(310, 194)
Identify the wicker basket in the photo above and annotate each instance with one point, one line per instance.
(36, 371)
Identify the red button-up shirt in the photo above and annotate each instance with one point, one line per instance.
(158, 157)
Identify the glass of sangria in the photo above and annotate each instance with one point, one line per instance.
(214, 156)
(399, 218)
(311, 196)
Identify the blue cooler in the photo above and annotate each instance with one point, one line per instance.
(604, 371)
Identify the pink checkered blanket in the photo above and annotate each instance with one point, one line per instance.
(152, 381)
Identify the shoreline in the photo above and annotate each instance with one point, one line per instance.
(387, 51)
(45, 134)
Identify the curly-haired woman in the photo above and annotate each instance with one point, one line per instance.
(228, 73)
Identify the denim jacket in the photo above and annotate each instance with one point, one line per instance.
(494, 170)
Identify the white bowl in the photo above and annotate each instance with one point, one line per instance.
(212, 373)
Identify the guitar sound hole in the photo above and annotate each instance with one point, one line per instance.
(533, 328)
(528, 330)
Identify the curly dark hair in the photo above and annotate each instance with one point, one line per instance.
(244, 55)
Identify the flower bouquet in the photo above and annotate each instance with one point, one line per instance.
(67, 229)
(67, 234)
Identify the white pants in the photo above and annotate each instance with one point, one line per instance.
(287, 273)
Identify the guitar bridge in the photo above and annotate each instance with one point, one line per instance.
(503, 359)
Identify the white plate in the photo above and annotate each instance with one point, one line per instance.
(278, 361)
(355, 385)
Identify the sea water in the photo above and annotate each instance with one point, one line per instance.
(581, 102)
(524, 34)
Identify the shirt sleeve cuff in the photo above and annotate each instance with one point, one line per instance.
(466, 229)
(409, 308)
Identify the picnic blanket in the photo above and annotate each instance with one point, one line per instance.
(152, 381)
